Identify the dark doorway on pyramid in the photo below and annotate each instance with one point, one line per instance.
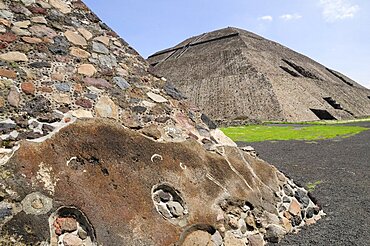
(322, 114)
(333, 103)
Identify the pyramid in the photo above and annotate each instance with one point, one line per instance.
(236, 76)
(96, 150)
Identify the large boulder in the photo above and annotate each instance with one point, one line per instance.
(96, 150)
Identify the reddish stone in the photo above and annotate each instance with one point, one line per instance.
(8, 37)
(100, 83)
(67, 224)
(46, 89)
(3, 45)
(37, 10)
(83, 102)
(7, 73)
(28, 88)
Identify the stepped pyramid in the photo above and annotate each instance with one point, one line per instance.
(95, 150)
(236, 76)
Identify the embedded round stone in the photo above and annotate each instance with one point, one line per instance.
(36, 204)
(28, 88)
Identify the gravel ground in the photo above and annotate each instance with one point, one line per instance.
(343, 166)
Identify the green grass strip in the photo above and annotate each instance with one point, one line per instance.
(320, 122)
(259, 133)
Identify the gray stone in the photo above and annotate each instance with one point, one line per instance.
(100, 48)
(162, 209)
(175, 208)
(60, 46)
(302, 197)
(274, 233)
(121, 82)
(108, 61)
(29, 207)
(63, 87)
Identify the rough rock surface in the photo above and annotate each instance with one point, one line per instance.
(236, 76)
(95, 150)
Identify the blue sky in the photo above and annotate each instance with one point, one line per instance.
(335, 33)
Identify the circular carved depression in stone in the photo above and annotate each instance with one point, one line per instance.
(170, 204)
(69, 226)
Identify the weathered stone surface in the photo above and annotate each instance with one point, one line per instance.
(106, 108)
(14, 97)
(8, 37)
(77, 52)
(72, 240)
(75, 38)
(7, 73)
(121, 82)
(28, 88)
(61, 5)
(87, 69)
(87, 35)
(100, 83)
(32, 40)
(156, 98)
(100, 48)
(42, 31)
(14, 56)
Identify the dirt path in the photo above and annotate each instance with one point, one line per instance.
(343, 167)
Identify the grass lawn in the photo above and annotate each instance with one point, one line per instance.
(259, 133)
(320, 122)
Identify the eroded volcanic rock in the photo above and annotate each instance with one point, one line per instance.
(236, 76)
(95, 150)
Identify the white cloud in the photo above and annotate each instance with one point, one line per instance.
(334, 10)
(266, 18)
(288, 17)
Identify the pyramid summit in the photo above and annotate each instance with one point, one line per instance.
(96, 150)
(235, 75)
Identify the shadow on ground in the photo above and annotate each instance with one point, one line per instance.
(343, 167)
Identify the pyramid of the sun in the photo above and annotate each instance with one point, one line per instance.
(95, 150)
(232, 74)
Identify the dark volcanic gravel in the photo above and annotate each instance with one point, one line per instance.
(343, 166)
